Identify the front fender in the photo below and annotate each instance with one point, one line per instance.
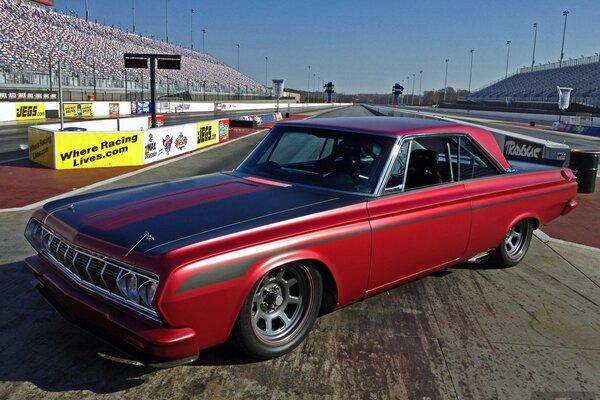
(207, 295)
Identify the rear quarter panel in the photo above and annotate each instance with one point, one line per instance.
(500, 202)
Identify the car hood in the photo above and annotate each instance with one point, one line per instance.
(158, 218)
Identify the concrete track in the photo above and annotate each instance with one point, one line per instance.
(471, 332)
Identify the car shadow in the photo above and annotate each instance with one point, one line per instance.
(40, 347)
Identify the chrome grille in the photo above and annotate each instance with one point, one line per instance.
(91, 271)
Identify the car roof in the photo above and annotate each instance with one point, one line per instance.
(400, 126)
(395, 126)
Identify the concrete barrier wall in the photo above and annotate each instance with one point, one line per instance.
(21, 111)
(103, 144)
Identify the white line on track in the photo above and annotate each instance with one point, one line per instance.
(118, 178)
(13, 159)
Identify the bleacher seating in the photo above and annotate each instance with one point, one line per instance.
(541, 85)
(32, 37)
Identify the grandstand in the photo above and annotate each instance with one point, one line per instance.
(539, 84)
(33, 39)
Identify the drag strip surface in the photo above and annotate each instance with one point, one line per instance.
(470, 332)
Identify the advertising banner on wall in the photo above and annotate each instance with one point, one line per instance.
(523, 148)
(166, 142)
(223, 125)
(41, 146)
(141, 107)
(113, 109)
(160, 120)
(98, 149)
(27, 111)
(206, 133)
(77, 109)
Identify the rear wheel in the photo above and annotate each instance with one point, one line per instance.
(279, 311)
(515, 244)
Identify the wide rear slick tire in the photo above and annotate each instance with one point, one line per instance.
(279, 311)
(515, 244)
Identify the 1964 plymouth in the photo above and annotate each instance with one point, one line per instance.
(321, 214)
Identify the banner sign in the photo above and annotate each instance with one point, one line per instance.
(223, 130)
(27, 111)
(77, 109)
(113, 109)
(206, 133)
(522, 148)
(141, 107)
(27, 96)
(224, 106)
(160, 120)
(166, 142)
(564, 97)
(278, 88)
(72, 150)
(97, 149)
(41, 146)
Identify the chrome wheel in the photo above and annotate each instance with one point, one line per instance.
(280, 303)
(515, 244)
(279, 311)
(515, 238)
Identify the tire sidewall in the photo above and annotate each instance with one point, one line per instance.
(252, 344)
(502, 257)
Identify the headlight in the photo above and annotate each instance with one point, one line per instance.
(38, 236)
(127, 282)
(147, 292)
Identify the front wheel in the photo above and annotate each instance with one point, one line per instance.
(279, 311)
(515, 244)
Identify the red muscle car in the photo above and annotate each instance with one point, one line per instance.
(321, 214)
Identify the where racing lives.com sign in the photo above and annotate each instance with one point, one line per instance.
(72, 150)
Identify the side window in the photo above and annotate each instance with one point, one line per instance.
(472, 162)
(396, 180)
(453, 151)
(428, 163)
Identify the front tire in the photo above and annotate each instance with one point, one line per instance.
(515, 244)
(279, 311)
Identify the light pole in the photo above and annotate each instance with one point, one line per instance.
(87, 11)
(133, 14)
(420, 82)
(407, 88)
(308, 87)
(238, 57)
(507, 56)
(319, 88)
(315, 84)
(94, 72)
(412, 96)
(402, 98)
(192, 28)
(562, 47)
(266, 71)
(446, 81)
(61, 109)
(203, 35)
(471, 69)
(166, 22)
(534, 40)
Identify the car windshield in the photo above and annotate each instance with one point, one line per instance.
(332, 159)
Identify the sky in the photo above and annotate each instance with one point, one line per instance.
(364, 46)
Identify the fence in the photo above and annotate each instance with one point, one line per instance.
(78, 85)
